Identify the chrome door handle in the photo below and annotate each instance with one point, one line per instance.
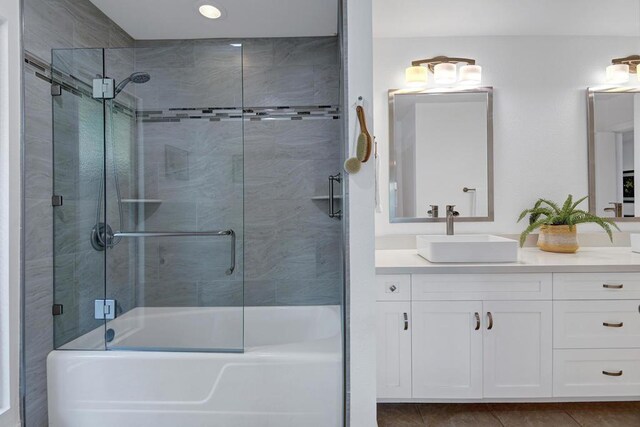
(229, 232)
(612, 374)
(613, 286)
(477, 320)
(613, 325)
(406, 321)
(490, 316)
(332, 210)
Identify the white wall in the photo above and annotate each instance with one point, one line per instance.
(10, 118)
(540, 119)
(357, 47)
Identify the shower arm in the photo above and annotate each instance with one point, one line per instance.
(229, 232)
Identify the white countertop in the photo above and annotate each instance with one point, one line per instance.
(530, 260)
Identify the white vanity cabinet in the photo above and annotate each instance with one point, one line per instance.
(393, 336)
(488, 346)
(504, 336)
(517, 349)
(447, 349)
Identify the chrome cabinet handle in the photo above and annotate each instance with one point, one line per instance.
(613, 286)
(612, 374)
(406, 321)
(332, 209)
(490, 316)
(477, 320)
(613, 325)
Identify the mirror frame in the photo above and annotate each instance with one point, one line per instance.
(488, 90)
(591, 139)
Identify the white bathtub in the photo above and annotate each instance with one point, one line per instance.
(290, 373)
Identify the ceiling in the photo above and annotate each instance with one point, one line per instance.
(179, 19)
(433, 18)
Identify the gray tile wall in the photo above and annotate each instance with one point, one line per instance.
(291, 246)
(48, 24)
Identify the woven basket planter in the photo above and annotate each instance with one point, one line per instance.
(558, 238)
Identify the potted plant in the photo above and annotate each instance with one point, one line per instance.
(558, 224)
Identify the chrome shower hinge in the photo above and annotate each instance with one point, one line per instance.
(56, 89)
(105, 309)
(104, 88)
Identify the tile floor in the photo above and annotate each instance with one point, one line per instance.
(617, 414)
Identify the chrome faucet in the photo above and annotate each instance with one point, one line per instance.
(616, 209)
(451, 214)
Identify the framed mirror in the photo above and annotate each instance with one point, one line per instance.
(613, 114)
(441, 153)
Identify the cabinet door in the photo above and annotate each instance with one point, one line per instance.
(394, 350)
(447, 349)
(517, 349)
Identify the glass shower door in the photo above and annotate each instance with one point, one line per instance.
(148, 239)
(78, 157)
(174, 193)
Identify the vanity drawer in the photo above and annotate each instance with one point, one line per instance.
(578, 373)
(596, 324)
(581, 286)
(393, 287)
(469, 287)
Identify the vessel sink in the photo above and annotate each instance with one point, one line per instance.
(467, 248)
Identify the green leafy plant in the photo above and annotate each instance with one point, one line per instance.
(545, 212)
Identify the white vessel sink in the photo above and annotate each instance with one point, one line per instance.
(467, 248)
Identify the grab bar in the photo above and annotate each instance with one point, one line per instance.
(229, 232)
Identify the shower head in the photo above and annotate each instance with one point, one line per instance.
(136, 77)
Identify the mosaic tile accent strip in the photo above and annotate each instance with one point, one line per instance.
(217, 114)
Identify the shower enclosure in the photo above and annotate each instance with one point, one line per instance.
(161, 174)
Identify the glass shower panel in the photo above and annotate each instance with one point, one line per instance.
(174, 197)
(78, 156)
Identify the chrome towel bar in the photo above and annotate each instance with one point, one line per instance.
(229, 232)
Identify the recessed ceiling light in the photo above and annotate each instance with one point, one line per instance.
(210, 11)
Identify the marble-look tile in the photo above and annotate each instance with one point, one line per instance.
(307, 139)
(194, 259)
(326, 85)
(617, 414)
(172, 216)
(258, 52)
(38, 335)
(278, 85)
(38, 174)
(308, 292)
(534, 418)
(165, 54)
(46, 25)
(399, 415)
(167, 293)
(458, 415)
(37, 107)
(38, 228)
(259, 293)
(119, 38)
(306, 51)
(221, 293)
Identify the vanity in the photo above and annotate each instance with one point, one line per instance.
(548, 327)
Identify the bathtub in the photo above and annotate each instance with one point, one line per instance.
(290, 373)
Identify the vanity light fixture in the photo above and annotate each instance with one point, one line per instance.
(445, 71)
(416, 75)
(620, 68)
(470, 74)
(617, 73)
